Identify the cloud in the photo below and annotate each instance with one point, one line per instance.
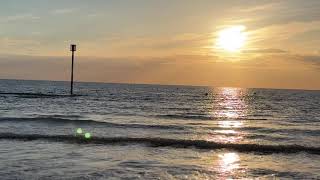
(287, 37)
(283, 12)
(20, 17)
(117, 45)
(22, 46)
(278, 71)
(290, 60)
(259, 7)
(263, 51)
(312, 59)
(64, 11)
(94, 15)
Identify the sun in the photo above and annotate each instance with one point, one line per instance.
(232, 39)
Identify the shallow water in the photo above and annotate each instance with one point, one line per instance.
(153, 131)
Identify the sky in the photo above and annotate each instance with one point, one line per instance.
(163, 42)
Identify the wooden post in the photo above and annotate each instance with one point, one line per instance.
(73, 49)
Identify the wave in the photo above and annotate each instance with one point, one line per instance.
(161, 142)
(90, 122)
(74, 119)
(203, 117)
(177, 116)
(57, 116)
(39, 95)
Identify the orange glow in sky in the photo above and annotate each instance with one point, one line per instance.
(211, 43)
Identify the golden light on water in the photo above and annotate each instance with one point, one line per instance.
(230, 124)
(228, 164)
(226, 131)
(231, 106)
(229, 110)
(228, 161)
(232, 39)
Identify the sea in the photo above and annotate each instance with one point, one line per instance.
(136, 131)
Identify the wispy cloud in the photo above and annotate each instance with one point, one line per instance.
(312, 59)
(20, 17)
(280, 70)
(64, 11)
(184, 43)
(283, 12)
(25, 46)
(263, 51)
(260, 7)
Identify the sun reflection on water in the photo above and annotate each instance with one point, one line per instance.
(229, 109)
(229, 161)
(230, 124)
(230, 103)
(228, 164)
(226, 131)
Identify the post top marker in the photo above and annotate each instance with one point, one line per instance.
(73, 47)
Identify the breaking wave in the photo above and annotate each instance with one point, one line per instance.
(162, 142)
(91, 122)
(75, 119)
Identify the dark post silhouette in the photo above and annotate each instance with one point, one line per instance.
(73, 49)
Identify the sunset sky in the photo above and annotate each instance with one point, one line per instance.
(277, 43)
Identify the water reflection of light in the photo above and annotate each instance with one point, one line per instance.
(226, 131)
(230, 124)
(230, 103)
(224, 138)
(229, 109)
(228, 163)
(229, 114)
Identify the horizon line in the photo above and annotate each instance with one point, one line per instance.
(155, 84)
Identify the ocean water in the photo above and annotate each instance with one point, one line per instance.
(157, 132)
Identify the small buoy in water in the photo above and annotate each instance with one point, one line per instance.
(207, 94)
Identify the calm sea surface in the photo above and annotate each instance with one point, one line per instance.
(157, 132)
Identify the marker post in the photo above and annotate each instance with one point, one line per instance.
(73, 49)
